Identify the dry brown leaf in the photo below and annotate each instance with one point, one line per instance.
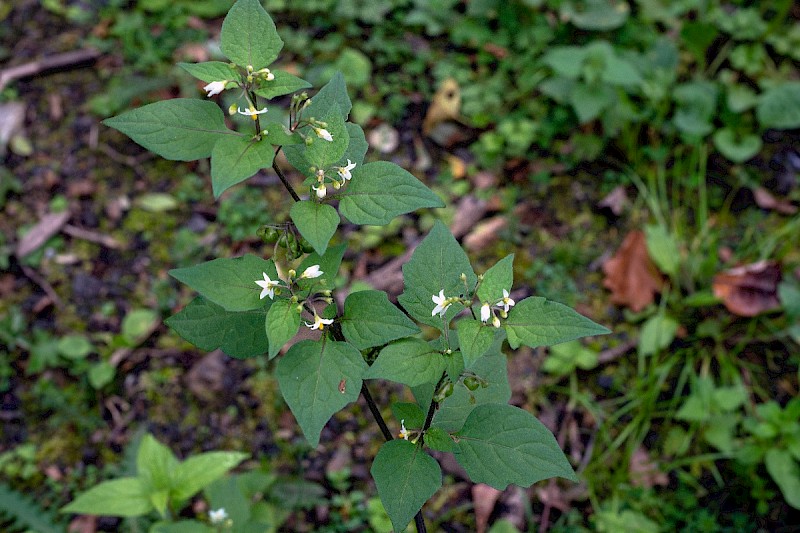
(446, 105)
(765, 200)
(749, 290)
(48, 226)
(631, 275)
(644, 471)
(484, 499)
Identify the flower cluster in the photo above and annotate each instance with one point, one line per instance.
(321, 188)
(502, 305)
(268, 285)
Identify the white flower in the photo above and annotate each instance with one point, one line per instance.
(486, 312)
(267, 287)
(251, 111)
(495, 322)
(403, 431)
(322, 133)
(441, 304)
(215, 87)
(269, 76)
(319, 323)
(321, 190)
(506, 303)
(217, 516)
(344, 171)
(312, 272)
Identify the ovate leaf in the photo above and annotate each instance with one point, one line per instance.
(282, 323)
(503, 444)
(786, 473)
(321, 153)
(236, 158)
(284, 83)
(497, 278)
(328, 262)
(230, 283)
(211, 71)
(210, 326)
(357, 148)
(315, 221)
(197, 472)
(381, 191)
(474, 339)
(334, 92)
(408, 361)
(317, 379)
(121, 497)
(248, 36)
(370, 319)
(657, 333)
(181, 129)
(537, 321)
(436, 264)
(779, 107)
(406, 477)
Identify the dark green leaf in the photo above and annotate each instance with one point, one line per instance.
(408, 361)
(211, 71)
(333, 93)
(248, 36)
(502, 444)
(209, 326)
(437, 264)
(329, 263)
(230, 283)
(234, 159)
(381, 191)
(315, 221)
(410, 413)
(370, 319)
(282, 323)
(284, 83)
(317, 378)
(180, 129)
(537, 321)
(474, 339)
(438, 439)
(497, 278)
(406, 477)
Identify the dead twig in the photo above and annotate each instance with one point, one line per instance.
(84, 234)
(34, 276)
(606, 356)
(57, 61)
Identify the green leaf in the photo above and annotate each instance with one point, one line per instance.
(333, 93)
(74, 346)
(589, 101)
(436, 264)
(537, 321)
(310, 375)
(786, 473)
(663, 248)
(328, 262)
(120, 497)
(502, 444)
(279, 135)
(406, 477)
(497, 278)
(234, 159)
(454, 410)
(284, 83)
(735, 147)
(248, 36)
(315, 221)
(154, 465)
(779, 107)
(408, 361)
(321, 153)
(595, 15)
(101, 374)
(197, 472)
(182, 526)
(410, 413)
(438, 439)
(283, 321)
(381, 191)
(370, 319)
(657, 333)
(209, 326)
(566, 61)
(566, 357)
(211, 71)
(180, 129)
(697, 102)
(230, 283)
(474, 339)
(137, 325)
(357, 148)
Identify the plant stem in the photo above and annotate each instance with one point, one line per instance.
(280, 174)
(373, 407)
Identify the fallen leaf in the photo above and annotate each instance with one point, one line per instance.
(484, 233)
(765, 200)
(631, 275)
(644, 471)
(48, 226)
(749, 290)
(484, 499)
(446, 105)
(615, 201)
